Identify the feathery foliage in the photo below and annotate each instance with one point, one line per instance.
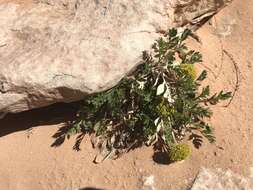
(161, 102)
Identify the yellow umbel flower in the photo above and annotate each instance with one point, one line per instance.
(189, 70)
(179, 152)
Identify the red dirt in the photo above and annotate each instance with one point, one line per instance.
(28, 162)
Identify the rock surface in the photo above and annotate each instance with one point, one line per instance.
(60, 51)
(217, 179)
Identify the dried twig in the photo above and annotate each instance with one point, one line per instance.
(237, 71)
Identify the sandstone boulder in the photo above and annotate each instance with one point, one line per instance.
(61, 50)
(218, 179)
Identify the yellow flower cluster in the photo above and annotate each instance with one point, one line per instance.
(189, 70)
(179, 152)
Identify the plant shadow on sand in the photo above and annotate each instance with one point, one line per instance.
(61, 113)
(161, 158)
(160, 155)
(51, 115)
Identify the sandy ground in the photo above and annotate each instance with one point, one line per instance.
(28, 162)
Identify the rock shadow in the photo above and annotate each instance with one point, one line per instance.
(51, 115)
